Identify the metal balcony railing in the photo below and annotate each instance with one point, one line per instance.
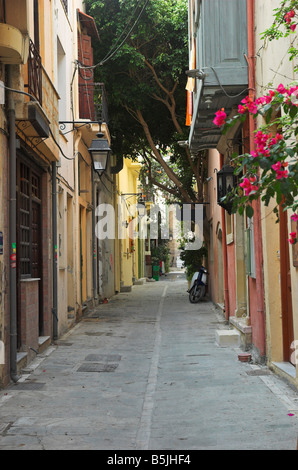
(93, 102)
(34, 73)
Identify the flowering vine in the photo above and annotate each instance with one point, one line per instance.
(271, 170)
(285, 23)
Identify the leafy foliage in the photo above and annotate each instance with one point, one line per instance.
(142, 57)
(271, 170)
(284, 24)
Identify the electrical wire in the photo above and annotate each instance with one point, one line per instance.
(112, 53)
(224, 91)
(62, 153)
(18, 91)
(35, 101)
(123, 32)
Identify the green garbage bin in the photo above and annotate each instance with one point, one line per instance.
(155, 272)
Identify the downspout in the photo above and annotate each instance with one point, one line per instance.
(55, 260)
(225, 256)
(12, 229)
(93, 235)
(257, 218)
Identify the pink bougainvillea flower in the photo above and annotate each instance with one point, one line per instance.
(220, 118)
(279, 172)
(247, 186)
(279, 136)
(289, 16)
(293, 27)
(294, 217)
(292, 89)
(292, 238)
(261, 100)
(241, 109)
(281, 89)
(249, 104)
(262, 141)
(275, 139)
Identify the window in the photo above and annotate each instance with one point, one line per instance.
(28, 221)
(250, 246)
(61, 67)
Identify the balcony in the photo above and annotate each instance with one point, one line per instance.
(93, 106)
(37, 117)
(220, 49)
(34, 84)
(14, 45)
(93, 102)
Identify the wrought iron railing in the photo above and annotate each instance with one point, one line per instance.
(93, 102)
(34, 73)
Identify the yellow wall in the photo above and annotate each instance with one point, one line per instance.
(127, 184)
(273, 66)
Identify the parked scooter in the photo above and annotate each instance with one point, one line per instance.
(198, 284)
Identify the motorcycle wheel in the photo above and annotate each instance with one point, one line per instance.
(196, 293)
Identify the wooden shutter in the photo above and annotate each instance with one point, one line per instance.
(86, 84)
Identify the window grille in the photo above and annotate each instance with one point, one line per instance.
(34, 73)
(29, 221)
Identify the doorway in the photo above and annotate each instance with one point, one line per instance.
(29, 235)
(286, 291)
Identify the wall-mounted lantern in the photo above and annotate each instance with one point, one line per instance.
(99, 152)
(226, 182)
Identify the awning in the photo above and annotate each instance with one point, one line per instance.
(89, 23)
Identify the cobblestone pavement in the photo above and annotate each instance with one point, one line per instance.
(143, 372)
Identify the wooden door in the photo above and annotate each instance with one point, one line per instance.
(286, 291)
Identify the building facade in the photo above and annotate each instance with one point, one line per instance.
(253, 268)
(47, 254)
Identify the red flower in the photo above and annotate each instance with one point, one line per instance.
(248, 104)
(289, 16)
(280, 173)
(247, 186)
(294, 217)
(292, 238)
(220, 118)
(281, 89)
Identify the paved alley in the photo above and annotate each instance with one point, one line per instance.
(143, 372)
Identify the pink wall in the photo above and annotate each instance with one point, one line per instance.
(231, 278)
(213, 211)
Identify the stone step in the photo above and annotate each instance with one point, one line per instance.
(227, 338)
(43, 343)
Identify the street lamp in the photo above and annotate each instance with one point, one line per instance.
(99, 152)
(226, 181)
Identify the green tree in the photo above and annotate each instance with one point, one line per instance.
(142, 57)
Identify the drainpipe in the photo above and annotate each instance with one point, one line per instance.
(55, 260)
(257, 218)
(12, 229)
(225, 257)
(93, 235)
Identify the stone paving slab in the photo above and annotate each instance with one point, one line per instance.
(144, 372)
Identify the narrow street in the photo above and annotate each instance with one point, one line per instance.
(144, 372)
